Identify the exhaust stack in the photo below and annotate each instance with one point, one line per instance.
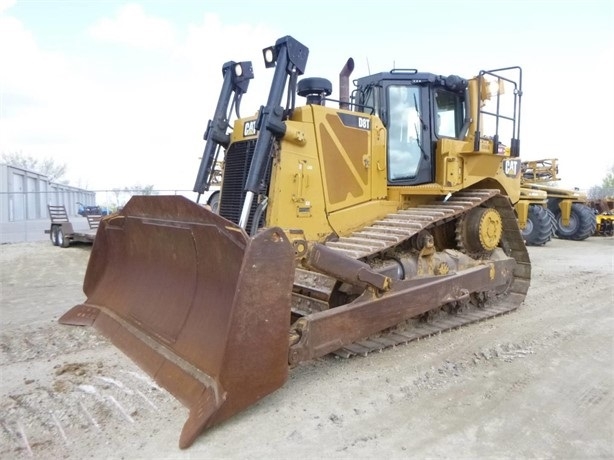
(344, 84)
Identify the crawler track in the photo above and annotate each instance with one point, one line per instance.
(401, 337)
(398, 227)
(388, 233)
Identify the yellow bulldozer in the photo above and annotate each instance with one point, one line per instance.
(572, 217)
(344, 226)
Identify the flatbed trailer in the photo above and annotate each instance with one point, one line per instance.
(61, 231)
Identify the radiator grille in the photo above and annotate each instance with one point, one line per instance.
(237, 161)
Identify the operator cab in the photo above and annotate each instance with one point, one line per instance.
(417, 109)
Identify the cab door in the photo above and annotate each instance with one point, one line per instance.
(409, 147)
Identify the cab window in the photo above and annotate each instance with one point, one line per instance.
(449, 114)
(404, 132)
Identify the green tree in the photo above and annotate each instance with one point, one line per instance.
(608, 180)
(606, 189)
(47, 167)
(140, 190)
(122, 195)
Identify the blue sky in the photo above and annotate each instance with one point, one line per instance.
(121, 91)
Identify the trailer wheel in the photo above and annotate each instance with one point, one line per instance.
(61, 239)
(53, 235)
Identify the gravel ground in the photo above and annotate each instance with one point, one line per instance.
(536, 383)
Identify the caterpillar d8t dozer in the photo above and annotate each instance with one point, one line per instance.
(343, 229)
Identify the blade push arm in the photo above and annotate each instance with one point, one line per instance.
(236, 80)
(289, 57)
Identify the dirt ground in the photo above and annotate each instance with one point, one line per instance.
(536, 383)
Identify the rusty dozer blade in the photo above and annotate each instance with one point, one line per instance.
(196, 303)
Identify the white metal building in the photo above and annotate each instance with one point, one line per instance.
(24, 195)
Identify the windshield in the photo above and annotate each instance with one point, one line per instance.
(404, 132)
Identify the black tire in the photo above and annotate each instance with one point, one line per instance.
(553, 221)
(582, 223)
(53, 235)
(61, 239)
(214, 202)
(538, 230)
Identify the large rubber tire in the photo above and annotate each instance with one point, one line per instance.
(214, 202)
(582, 223)
(553, 221)
(538, 230)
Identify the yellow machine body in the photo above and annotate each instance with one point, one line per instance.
(324, 241)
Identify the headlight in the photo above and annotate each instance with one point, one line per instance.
(269, 56)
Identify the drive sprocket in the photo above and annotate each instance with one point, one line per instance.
(479, 231)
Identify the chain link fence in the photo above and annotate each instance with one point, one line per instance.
(24, 216)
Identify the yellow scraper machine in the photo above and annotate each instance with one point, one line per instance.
(343, 229)
(569, 210)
